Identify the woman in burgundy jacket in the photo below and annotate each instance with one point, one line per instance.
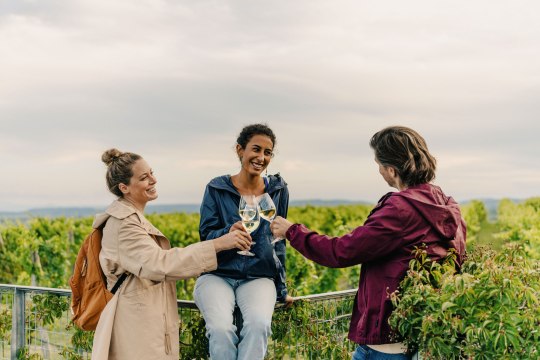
(418, 213)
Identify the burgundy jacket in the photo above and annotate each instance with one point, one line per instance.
(383, 245)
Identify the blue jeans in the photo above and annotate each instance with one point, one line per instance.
(216, 297)
(364, 352)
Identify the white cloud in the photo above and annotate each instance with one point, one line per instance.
(176, 81)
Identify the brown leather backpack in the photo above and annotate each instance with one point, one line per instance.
(89, 284)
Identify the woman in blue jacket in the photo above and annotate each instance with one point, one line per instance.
(254, 283)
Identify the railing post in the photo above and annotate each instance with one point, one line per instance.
(17, 323)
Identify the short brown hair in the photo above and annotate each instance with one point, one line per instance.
(119, 168)
(406, 151)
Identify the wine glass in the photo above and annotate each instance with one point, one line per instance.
(247, 209)
(267, 209)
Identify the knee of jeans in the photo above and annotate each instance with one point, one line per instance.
(258, 324)
(220, 328)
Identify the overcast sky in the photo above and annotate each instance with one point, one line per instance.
(175, 81)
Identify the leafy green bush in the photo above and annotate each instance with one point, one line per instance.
(491, 310)
(521, 223)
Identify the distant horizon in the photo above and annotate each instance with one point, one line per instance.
(153, 204)
(298, 202)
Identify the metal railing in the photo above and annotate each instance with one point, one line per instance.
(321, 318)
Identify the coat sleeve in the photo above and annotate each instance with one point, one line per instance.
(139, 254)
(280, 247)
(211, 225)
(379, 236)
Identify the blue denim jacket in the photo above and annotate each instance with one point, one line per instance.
(219, 211)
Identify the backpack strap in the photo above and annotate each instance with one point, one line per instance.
(119, 282)
(122, 277)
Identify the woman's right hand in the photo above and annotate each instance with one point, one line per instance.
(235, 238)
(280, 226)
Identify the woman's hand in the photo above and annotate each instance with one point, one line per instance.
(280, 226)
(288, 301)
(238, 239)
(237, 226)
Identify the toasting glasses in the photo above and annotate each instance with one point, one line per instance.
(247, 209)
(267, 209)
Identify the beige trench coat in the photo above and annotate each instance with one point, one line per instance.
(141, 321)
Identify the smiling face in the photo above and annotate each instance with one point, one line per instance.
(142, 185)
(257, 154)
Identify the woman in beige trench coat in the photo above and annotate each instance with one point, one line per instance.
(141, 321)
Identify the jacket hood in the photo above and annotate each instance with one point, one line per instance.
(119, 209)
(440, 211)
(275, 182)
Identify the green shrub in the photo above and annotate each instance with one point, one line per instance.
(491, 310)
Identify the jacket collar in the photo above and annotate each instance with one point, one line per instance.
(275, 183)
(122, 209)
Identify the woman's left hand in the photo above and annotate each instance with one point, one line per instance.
(279, 227)
(288, 301)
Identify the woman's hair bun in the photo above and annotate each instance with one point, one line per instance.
(110, 156)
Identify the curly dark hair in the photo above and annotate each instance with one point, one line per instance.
(255, 129)
(406, 151)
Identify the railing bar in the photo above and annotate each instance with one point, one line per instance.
(328, 310)
(36, 289)
(324, 296)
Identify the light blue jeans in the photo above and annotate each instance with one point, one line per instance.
(216, 297)
(364, 352)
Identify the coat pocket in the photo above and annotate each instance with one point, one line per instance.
(142, 293)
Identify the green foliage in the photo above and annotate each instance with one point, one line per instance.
(489, 311)
(475, 215)
(47, 307)
(24, 354)
(307, 277)
(16, 255)
(44, 250)
(520, 223)
(5, 324)
(313, 330)
(193, 340)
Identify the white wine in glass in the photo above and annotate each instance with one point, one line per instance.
(267, 209)
(268, 215)
(247, 209)
(252, 224)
